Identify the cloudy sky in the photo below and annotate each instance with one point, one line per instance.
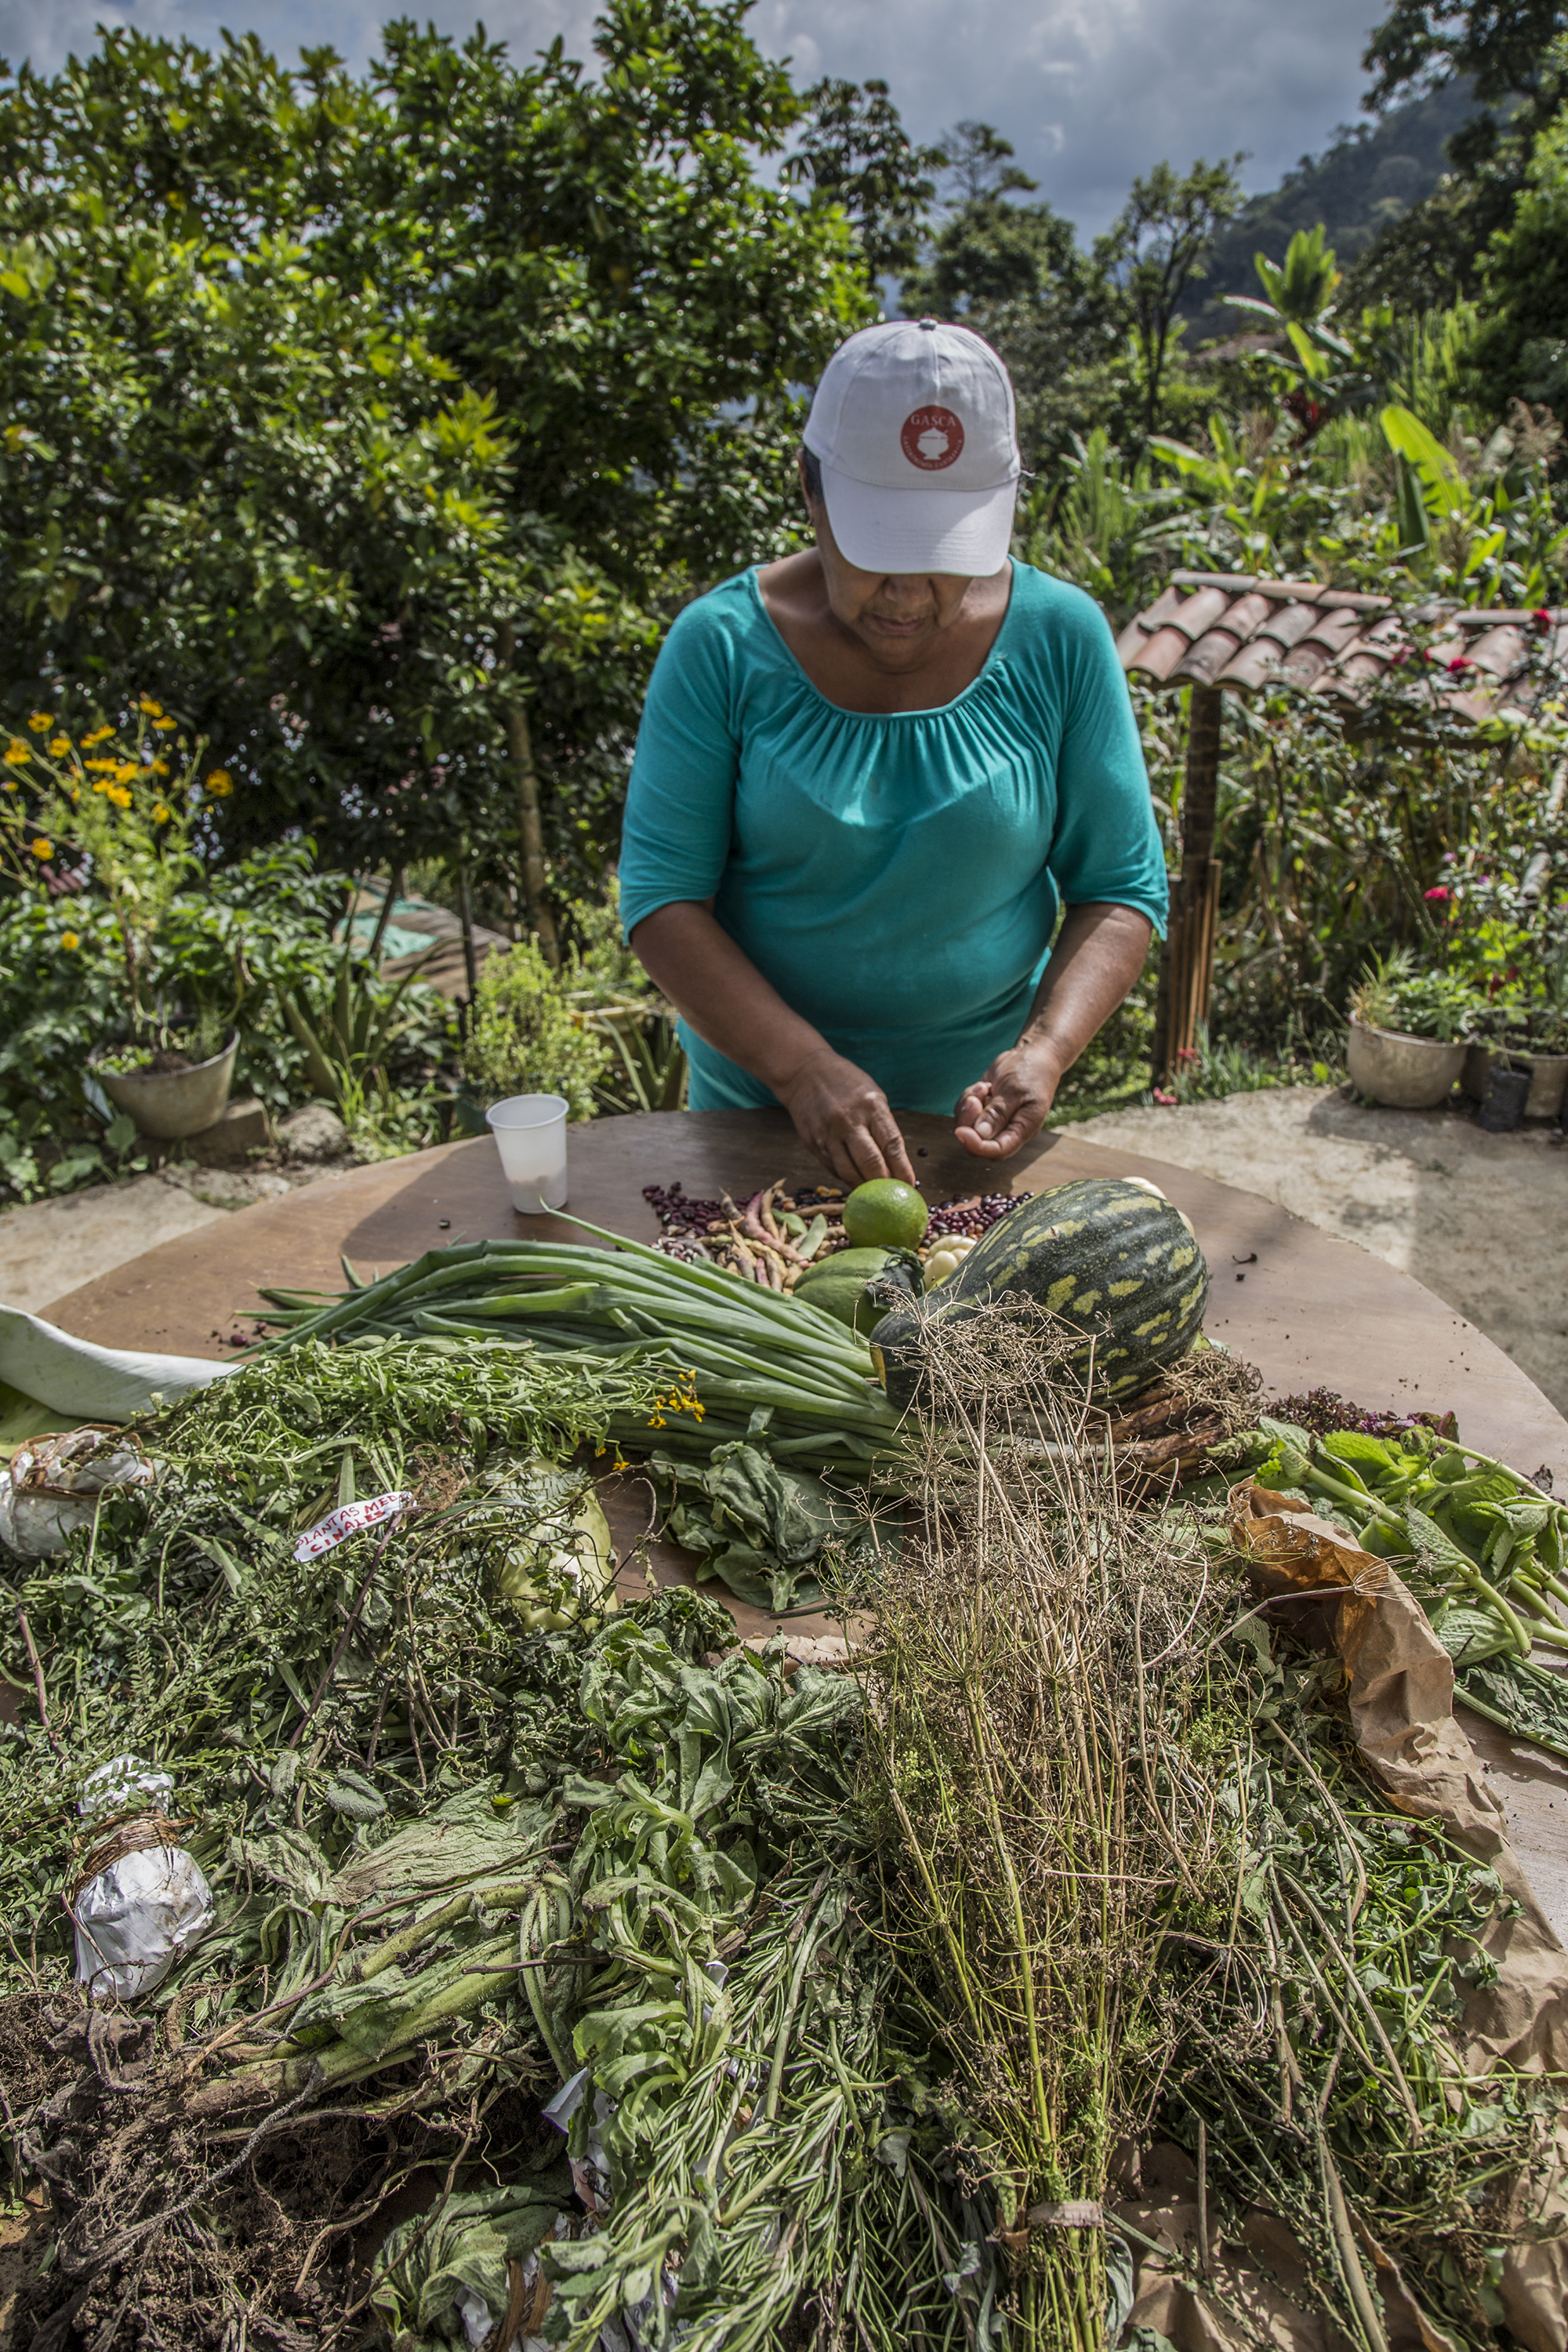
(1089, 91)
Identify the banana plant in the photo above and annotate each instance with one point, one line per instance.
(1433, 490)
(1300, 308)
(346, 1024)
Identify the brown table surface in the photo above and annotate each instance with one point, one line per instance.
(1308, 1310)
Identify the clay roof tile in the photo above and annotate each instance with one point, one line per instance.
(1161, 652)
(1243, 632)
(1206, 659)
(1500, 651)
(1288, 623)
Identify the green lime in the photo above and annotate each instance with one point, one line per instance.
(885, 1214)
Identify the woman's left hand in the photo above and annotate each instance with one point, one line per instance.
(1003, 1109)
(1098, 954)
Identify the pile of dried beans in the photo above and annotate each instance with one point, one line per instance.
(775, 1235)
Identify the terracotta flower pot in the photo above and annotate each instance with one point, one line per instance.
(1406, 1073)
(169, 1103)
(1548, 1078)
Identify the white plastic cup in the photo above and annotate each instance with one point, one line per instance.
(530, 1136)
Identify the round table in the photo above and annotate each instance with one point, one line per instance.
(1308, 1310)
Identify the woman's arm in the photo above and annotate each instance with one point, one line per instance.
(1098, 954)
(840, 1112)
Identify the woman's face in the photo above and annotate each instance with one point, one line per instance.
(897, 616)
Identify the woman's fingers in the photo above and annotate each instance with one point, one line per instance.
(862, 1147)
(844, 1115)
(888, 1145)
(1004, 1108)
(1025, 1122)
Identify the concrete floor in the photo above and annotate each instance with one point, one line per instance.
(50, 1247)
(1482, 1220)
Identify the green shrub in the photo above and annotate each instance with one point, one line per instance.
(525, 1039)
(1397, 992)
(246, 931)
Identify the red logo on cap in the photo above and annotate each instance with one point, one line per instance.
(931, 439)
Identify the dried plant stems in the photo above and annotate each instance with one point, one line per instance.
(1044, 1828)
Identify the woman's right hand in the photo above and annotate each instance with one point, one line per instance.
(843, 1116)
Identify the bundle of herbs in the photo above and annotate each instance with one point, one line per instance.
(1322, 2076)
(1484, 1548)
(855, 1997)
(1141, 1887)
(455, 1863)
(731, 1359)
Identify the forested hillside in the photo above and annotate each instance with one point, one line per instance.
(1363, 183)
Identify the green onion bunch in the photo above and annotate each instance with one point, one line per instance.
(729, 1359)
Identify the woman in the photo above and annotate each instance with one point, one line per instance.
(870, 776)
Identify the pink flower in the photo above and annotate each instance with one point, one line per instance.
(1457, 666)
(1543, 619)
(1439, 893)
(1166, 1101)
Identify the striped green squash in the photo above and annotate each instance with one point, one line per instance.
(1108, 1256)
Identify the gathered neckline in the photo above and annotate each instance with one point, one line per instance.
(881, 718)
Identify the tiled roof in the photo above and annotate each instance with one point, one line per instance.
(1214, 628)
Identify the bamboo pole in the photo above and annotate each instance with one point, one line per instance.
(465, 917)
(520, 747)
(1187, 962)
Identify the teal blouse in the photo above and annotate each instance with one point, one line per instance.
(897, 878)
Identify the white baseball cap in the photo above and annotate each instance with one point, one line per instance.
(914, 425)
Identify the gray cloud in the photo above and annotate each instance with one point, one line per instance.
(1089, 91)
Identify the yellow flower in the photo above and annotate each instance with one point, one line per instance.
(162, 814)
(17, 754)
(41, 848)
(165, 726)
(146, 703)
(9, 785)
(98, 735)
(59, 745)
(119, 795)
(40, 722)
(69, 941)
(125, 771)
(101, 767)
(220, 784)
(159, 767)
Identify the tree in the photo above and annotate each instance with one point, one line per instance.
(1520, 351)
(856, 155)
(1501, 45)
(978, 164)
(1155, 245)
(1511, 54)
(378, 424)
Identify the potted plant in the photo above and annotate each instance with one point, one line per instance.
(1518, 1038)
(1511, 935)
(1409, 1032)
(117, 810)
